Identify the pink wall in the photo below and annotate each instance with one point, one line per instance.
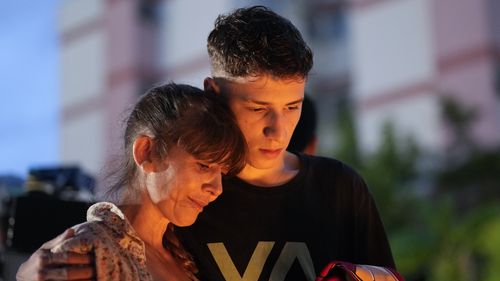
(460, 26)
(465, 61)
(471, 84)
(122, 81)
(493, 8)
(131, 55)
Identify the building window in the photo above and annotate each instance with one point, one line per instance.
(148, 11)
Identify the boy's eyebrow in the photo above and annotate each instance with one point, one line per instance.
(267, 103)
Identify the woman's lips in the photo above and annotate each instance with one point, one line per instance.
(271, 153)
(197, 204)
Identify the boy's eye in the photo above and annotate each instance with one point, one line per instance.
(293, 107)
(257, 109)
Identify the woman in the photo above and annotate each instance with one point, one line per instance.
(178, 141)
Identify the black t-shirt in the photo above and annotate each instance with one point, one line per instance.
(291, 231)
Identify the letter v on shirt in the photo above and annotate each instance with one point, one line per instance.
(290, 252)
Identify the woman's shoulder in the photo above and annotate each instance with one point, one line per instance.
(106, 212)
(119, 253)
(106, 224)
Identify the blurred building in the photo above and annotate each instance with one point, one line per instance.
(391, 60)
(407, 54)
(107, 56)
(111, 52)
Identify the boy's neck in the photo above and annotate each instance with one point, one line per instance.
(273, 176)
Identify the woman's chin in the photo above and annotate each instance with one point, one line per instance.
(185, 221)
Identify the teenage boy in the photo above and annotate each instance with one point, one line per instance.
(285, 216)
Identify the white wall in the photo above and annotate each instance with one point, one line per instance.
(417, 118)
(83, 142)
(391, 46)
(84, 68)
(184, 31)
(83, 83)
(392, 52)
(75, 13)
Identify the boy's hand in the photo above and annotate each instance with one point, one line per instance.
(46, 265)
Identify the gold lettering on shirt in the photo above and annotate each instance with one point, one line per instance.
(290, 252)
(254, 267)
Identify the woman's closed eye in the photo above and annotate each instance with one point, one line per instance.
(204, 167)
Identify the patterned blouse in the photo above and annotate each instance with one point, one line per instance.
(119, 253)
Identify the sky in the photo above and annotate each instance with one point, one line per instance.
(29, 85)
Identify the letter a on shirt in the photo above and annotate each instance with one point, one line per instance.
(290, 252)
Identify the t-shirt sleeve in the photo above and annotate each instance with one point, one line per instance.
(352, 215)
(372, 245)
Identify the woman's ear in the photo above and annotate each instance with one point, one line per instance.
(210, 85)
(143, 153)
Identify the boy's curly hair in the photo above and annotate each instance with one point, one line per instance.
(254, 41)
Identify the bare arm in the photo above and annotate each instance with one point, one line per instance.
(46, 265)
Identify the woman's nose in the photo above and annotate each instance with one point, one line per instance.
(214, 185)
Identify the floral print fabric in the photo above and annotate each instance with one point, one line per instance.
(119, 252)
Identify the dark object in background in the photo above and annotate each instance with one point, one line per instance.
(63, 179)
(305, 132)
(51, 204)
(37, 217)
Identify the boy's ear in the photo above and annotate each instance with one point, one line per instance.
(143, 153)
(210, 85)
